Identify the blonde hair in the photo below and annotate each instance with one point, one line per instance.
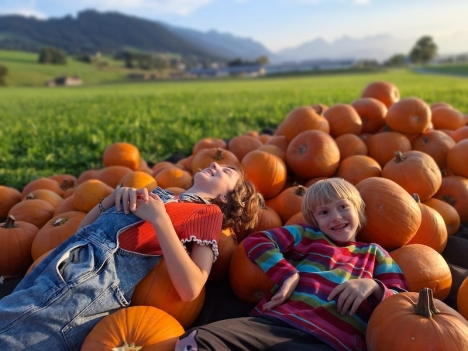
(328, 190)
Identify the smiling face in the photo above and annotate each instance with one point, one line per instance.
(216, 180)
(338, 220)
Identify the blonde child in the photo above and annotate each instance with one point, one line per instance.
(326, 282)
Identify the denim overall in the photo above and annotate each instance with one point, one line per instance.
(87, 277)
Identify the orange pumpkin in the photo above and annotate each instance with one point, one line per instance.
(156, 289)
(382, 146)
(42, 183)
(454, 191)
(424, 267)
(66, 205)
(343, 119)
(409, 116)
(248, 281)
(393, 217)
(45, 194)
(208, 143)
(112, 175)
(448, 213)
(414, 171)
(266, 171)
(55, 231)
(300, 119)
(358, 167)
(372, 113)
(275, 150)
(10, 197)
(173, 177)
(35, 211)
(385, 92)
(134, 328)
(444, 117)
(226, 246)
(289, 202)
(86, 175)
(416, 321)
(432, 231)
(37, 261)
(436, 144)
(89, 193)
(296, 219)
(16, 238)
(205, 157)
(313, 153)
(349, 145)
(457, 157)
(66, 181)
(121, 154)
(460, 134)
(241, 145)
(279, 141)
(462, 298)
(138, 180)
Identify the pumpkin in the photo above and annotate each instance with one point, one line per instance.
(66, 205)
(55, 231)
(156, 289)
(436, 144)
(460, 134)
(409, 116)
(444, 117)
(414, 171)
(10, 197)
(416, 321)
(434, 105)
(112, 175)
(382, 146)
(423, 267)
(248, 281)
(349, 145)
(160, 166)
(66, 180)
(462, 298)
(226, 246)
(358, 167)
(173, 177)
(372, 113)
(134, 328)
(42, 183)
(241, 145)
(454, 191)
(343, 119)
(121, 154)
(393, 217)
(300, 119)
(312, 181)
(264, 138)
(457, 158)
(385, 92)
(432, 231)
(69, 192)
(208, 143)
(289, 202)
(279, 141)
(266, 171)
(268, 218)
(185, 163)
(35, 211)
(205, 157)
(87, 175)
(45, 194)
(89, 193)
(143, 166)
(296, 219)
(313, 153)
(448, 213)
(275, 150)
(138, 180)
(16, 238)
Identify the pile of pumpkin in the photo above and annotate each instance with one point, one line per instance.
(407, 159)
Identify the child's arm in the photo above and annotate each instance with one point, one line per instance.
(284, 292)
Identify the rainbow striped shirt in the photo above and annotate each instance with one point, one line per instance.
(322, 265)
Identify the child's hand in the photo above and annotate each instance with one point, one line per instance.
(151, 209)
(352, 292)
(283, 293)
(127, 198)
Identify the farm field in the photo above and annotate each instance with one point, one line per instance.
(65, 130)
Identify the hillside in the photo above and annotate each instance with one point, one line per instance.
(92, 31)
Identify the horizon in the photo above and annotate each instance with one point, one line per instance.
(281, 24)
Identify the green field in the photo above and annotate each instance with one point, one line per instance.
(47, 131)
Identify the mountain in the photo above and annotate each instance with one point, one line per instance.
(378, 47)
(92, 31)
(223, 44)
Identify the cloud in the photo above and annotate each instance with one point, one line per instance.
(25, 8)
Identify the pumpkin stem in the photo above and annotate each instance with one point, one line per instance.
(416, 197)
(10, 223)
(426, 306)
(300, 191)
(218, 155)
(319, 109)
(399, 157)
(59, 221)
(30, 196)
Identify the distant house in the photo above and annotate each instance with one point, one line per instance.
(310, 65)
(64, 81)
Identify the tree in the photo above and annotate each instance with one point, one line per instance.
(424, 50)
(3, 73)
(396, 60)
(263, 60)
(51, 55)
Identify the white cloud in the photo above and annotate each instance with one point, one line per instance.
(24, 8)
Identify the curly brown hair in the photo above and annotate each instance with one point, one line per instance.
(241, 206)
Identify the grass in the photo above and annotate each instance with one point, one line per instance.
(48, 131)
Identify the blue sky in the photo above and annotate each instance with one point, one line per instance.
(277, 24)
